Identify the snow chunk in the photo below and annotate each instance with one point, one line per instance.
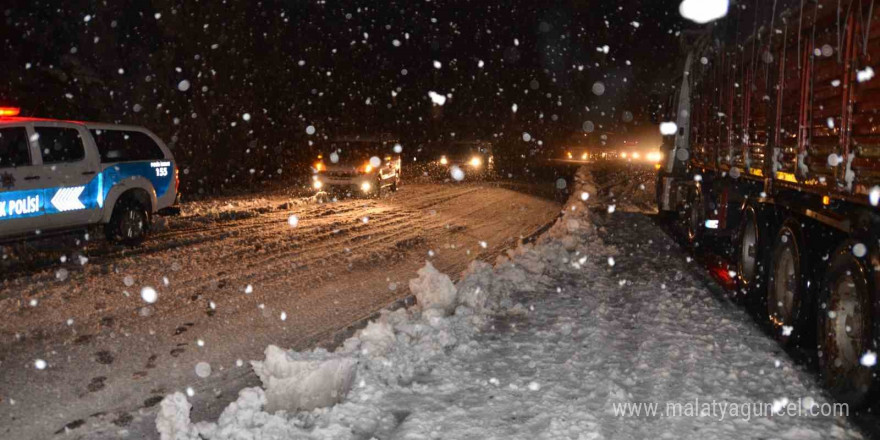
(376, 338)
(173, 422)
(304, 381)
(433, 289)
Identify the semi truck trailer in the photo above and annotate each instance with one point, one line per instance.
(772, 149)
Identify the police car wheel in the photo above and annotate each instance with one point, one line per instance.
(129, 224)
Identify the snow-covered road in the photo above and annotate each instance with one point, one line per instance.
(562, 341)
(231, 275)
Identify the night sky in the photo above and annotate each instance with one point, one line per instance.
(191, 70)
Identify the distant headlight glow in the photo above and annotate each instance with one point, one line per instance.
(366, 187)
(476, 161)
(443, 161)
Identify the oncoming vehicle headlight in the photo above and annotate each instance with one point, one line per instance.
(584, 156)
(654, 156)
(476, 161)
(318, 184)
(443, 160)
(568, 154)
(623, 155)
(366, 187)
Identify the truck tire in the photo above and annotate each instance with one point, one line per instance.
(130, 222)
(848, 322)
(693, 219)
(751, 259)
(787, 285)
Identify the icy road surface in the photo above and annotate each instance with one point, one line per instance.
(231, 276)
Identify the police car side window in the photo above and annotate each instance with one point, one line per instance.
(59, 145)
(126, 146)
(14, 151)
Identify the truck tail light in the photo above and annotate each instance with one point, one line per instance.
(176, 180)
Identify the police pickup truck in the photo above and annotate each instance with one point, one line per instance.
(57, 176)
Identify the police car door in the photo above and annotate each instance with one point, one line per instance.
(20, 180)
(70, 173)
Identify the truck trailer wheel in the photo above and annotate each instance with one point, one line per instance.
(787, 283)
(847, 326)
(693, 218)
(751, 267)
(130, 222)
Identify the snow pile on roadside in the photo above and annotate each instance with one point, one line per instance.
(310, 395)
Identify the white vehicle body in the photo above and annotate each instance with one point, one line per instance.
(60, 175)
(359, 165)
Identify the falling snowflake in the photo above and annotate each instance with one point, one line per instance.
(859, 250)
(703, 11)
(869, 359)
(183, 85)
(203, 369)
(865, 75)
(40, 364)
(456, 173)
(668, 128)
(437, 98)
(149, 295)
(874, 196)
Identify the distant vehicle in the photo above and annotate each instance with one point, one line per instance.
(771, 144)
(579, 154)
(57, 176)
(473, 157)
(359, 165)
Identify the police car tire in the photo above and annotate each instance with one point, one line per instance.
(126, 207)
